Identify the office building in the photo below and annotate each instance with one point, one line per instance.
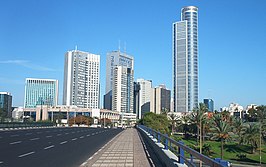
(209, 104)
(82, 79)
(161, 100)
(114, 58)
(145, 94)
(122, 91)
(136, 98)
(5, 105)
(40, 92)
(185, 60)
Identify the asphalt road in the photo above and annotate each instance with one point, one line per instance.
(51, 147)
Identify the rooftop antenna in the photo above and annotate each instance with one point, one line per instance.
(125, 47)
(119, 45)
(76, 48)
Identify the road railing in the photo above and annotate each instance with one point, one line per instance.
(24, 124)
(192, 158)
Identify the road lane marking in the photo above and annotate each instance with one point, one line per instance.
(16, 142)
(87, 135)
(93, 134)
(48, 147)
(28, 133)
(81, 137)
(73, 132)
(34, 139)
(39, 132)
(47, 131)
(63, 142)
(74, 139)
(49, 136)
(1, 162)
(23, 155)
(58, 134)
(14, 135)
(66, 133)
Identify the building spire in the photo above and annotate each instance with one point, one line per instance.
(119, 45)
(125, 47)
(76, 48)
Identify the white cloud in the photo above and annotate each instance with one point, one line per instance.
(27, 64)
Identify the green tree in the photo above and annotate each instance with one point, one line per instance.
(158, 122)
(173, 118)
(184, 124)
(220, 129)
(251, 136)
(238, 127)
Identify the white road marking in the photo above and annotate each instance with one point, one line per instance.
(23, 155)
(35, 139)
(73, 132)
(63, 142)
(48, 147)
(92, 134)
(58, 134)
(14, 135)
(1, 162)
(66, 133)
(28, 133)
(74, 139)
(81, 137)
(39, 132)
(87, 135)
(16, 142)
(47, 131)
(49, 136)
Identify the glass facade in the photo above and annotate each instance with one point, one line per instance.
(209, 104)
(40, 92)
(5, 105)
(185, 60)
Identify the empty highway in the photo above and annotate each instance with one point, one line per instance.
(53, 147)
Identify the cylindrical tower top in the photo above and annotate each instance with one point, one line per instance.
(189, 8)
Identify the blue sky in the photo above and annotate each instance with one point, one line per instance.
(35, 34)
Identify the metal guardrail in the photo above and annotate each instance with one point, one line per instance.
(182, 148)
(24, 124)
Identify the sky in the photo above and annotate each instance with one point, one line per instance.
(36, 34)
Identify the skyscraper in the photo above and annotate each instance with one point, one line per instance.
(145, 95)
(40, 92)
(209, 104)
(185, 60)
(81, 79)
(114, 58)
(123, 90)
(161, 99)
(5, 105)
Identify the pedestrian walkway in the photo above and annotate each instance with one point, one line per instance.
(125, 149)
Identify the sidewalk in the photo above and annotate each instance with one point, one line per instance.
(125, 149)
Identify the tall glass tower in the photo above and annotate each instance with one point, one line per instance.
(185, 60)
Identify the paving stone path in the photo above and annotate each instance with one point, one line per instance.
(125, 149)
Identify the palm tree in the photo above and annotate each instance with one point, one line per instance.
(251, 136)
(238, 128)
(221, 129)
(173, 120)
(184, 124)
(198, 118)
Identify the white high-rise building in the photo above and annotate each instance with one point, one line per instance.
(123, 89)
(145, 94)
(114, 58)
(185, 60)
(82, 79)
